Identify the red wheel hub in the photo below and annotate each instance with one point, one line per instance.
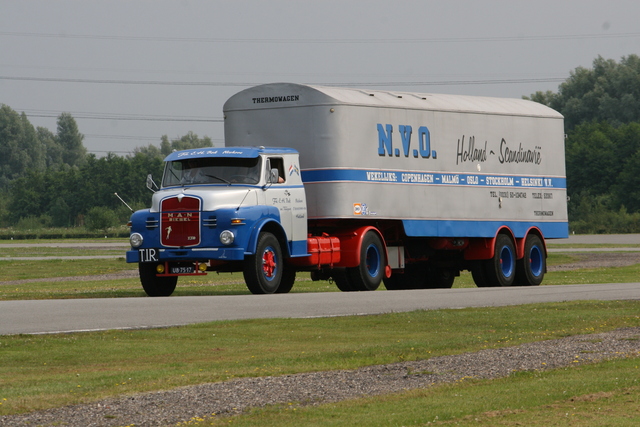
(268, 263)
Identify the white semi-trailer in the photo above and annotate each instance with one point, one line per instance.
(373, 186)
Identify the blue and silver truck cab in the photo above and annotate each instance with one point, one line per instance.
(215, 209)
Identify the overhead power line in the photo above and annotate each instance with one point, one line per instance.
(249, 84)
(488, 39)
(135, 138)
(126, 117)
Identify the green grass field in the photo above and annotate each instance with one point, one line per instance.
(39, 372)
(213, 283)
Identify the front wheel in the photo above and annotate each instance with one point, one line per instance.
(263, 271)
(153, 285)
(287, 281)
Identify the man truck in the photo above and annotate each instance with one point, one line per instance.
(360, 187)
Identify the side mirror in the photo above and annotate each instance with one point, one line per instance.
(151, 184)
(273, 178)
(267, 177)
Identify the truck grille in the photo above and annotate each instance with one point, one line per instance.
(180, 221)
(211, 222)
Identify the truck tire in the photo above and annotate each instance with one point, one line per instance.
(439, 278)
(287, 281)
(531, 268)
(368, 275)
(478, 274)
(343, 280)
(501, 269)
(413, 277)
(263, 271)
(153, 285)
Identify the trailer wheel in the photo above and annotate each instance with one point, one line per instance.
(413, 277)
(342, 280)
(531, 268)
(501, 269)
(478, 274)
(153, 285)
(439, 278)
(263, 271)
(368, 275)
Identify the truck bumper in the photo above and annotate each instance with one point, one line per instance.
(203, 254)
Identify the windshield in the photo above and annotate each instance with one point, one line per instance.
(212, 170)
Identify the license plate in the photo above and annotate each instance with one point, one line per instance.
(182, 270)
(148, 255)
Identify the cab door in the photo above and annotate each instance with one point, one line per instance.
(288, 196)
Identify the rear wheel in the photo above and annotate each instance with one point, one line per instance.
(400, 281)
(439, 278)
(263, 271)
(343, 281)
(153, 285)
(501, 269)
(531, 268)
(413, 277)
(368, 275)
(478, 274)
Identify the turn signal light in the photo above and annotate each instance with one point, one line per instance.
(202, 266)
(160, 268)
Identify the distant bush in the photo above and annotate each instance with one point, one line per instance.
(33, 223)
(12, 233)
(590, 214)
(100, 218)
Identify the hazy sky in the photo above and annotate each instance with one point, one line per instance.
(131, 71)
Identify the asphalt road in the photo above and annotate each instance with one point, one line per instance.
(51, 316)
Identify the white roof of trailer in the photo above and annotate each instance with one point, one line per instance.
(281, 95)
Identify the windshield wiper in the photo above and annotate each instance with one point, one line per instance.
(218, 178)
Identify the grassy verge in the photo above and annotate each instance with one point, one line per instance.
(57, 234)
(606, 393)
(37, 252)
(216, 284)
(46, 269)
(39, 372)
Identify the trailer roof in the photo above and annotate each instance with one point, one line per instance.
(281, 95)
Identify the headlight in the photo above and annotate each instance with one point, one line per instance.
(226, 237)
(136, 240)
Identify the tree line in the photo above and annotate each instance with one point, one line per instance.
(49, 179)
(601, 108)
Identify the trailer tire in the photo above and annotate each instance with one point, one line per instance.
(153, 285)
(342, 280)
(531, 268)
(479, 275)
(368, 275)
(400, 281)
(263, 270)
(413, 277)
(394, 283)
(439, 278)
(501, 269)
